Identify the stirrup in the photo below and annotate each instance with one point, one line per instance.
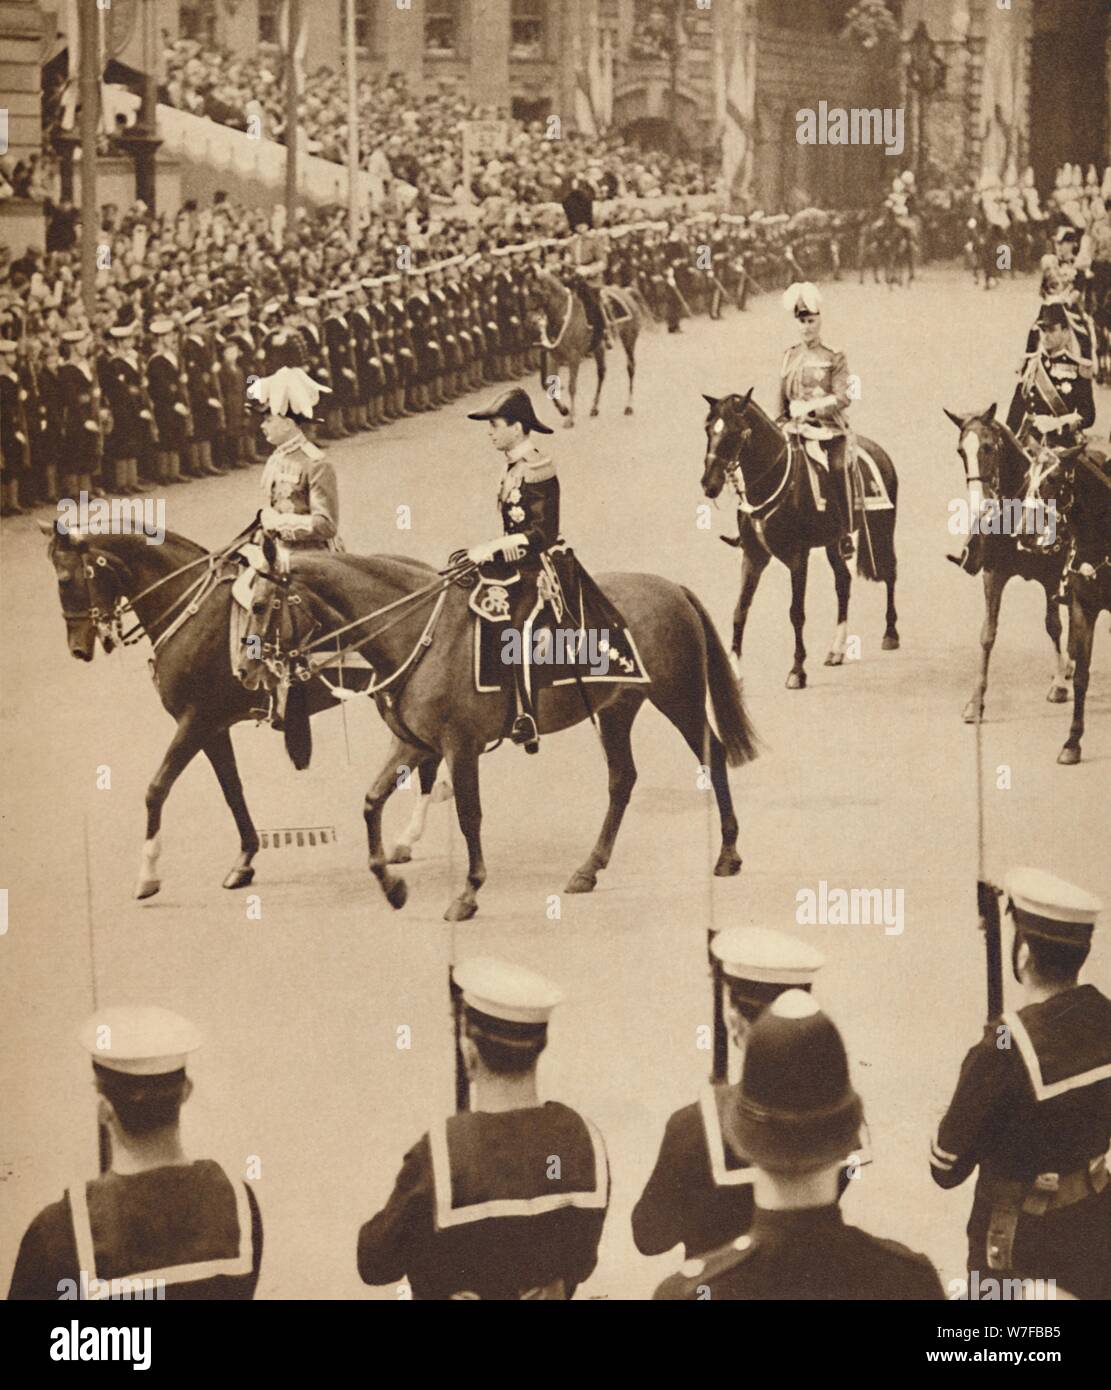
(845, 548)
(525, 733)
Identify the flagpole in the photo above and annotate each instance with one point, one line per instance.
(352, 132)
(292, 134)
(88, 19)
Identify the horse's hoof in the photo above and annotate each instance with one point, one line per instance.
(239, 877)
(1068, 756)
(397, 894)
(594, 412)
(890, 642)
(969, 712)
(628, 410)
(729, 863)
(568, 423)
(402, 854)
(796, 680)
(147, 887)
(1057, 695)
(581, 882)
(835, 659)
(442, 791)
(460, 911)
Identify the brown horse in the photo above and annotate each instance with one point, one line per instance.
(777, 516)
(416, 632)
(996, 475)
(560, 317)
(180, 596)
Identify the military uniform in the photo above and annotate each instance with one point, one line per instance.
(83, 438)
(132, 434)
(809, 1253)
(700, 1191)
(300, 495)
(169, 400)
(340, 342)
(1054, 384)
(1034, 1116)
(177, 1230)
(206, 409)
(15, 441)
(478, 1211)
(795, 1114)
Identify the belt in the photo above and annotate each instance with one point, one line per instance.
(1050, 1191)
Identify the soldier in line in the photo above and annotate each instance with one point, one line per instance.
(131, 436)
(83, 420)
(154, 1215)
(169, 401)
(506, 1201)
(796, 1114)
(206, 409)
(340, 409)
(1032, 1106)
(700, 1190)
(15, 440)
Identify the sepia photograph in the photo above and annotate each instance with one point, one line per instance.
(555, 592)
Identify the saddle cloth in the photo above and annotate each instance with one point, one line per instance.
(869, 490)
(587, 642)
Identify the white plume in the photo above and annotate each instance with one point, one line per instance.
(290, 391)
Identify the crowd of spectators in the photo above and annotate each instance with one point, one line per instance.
(415, 138)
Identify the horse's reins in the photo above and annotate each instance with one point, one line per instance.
(760, 511)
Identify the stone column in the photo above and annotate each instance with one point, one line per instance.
(488, 50)
(21, 34)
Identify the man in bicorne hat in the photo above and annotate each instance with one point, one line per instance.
(156, 1217)
(1053, 401)
(507, 1200)
(1032, 1106)
(796, 1115)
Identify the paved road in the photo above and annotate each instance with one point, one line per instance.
(865, 780)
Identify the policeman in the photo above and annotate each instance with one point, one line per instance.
(796, 1114)
(508, 1200)
(700, 1191)
(1054, 398)
(1032, 1108)
(814, 395)
(528, 501)
(155, 1215)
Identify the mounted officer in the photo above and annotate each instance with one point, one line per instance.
(1054, 401)
(300, 496)
(814, 396)
(587, 254)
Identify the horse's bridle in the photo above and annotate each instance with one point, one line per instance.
(734, 475)
(105, 620)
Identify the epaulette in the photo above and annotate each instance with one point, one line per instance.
(692, 1274)
(537, 470)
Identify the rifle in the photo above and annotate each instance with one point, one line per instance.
(719, 1065)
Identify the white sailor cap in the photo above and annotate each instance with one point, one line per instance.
(140, 1039)
(192, 316)
(760, 956)
(337, 292)
(158, 327)
(1049, 907)
(502, 990)
(8, 345)
(802, 298)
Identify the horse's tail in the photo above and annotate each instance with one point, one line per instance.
(298, 732)
(730, 715)
(875, 555)
(647, 317)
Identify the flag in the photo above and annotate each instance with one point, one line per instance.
(300, 43)
(584, 109)
(595, 79)
(740, 110)
(719, 84)
(607, 78)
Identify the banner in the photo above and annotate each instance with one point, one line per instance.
(740, 110)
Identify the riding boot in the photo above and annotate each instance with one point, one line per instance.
(845, 544)
(971, 558)
(524, 731)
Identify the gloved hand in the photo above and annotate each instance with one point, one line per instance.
(1088, 571)
(1046, 424)
(798, 410)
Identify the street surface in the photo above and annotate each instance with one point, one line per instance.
(865, 779)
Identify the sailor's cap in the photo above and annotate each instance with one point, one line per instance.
(140, 1039)
(236, 309)
(766, 957)
(192, 316)
(337, 292)
(370, 282)
(1049, 907)
(8, 345)
(158, 327)
(75, 335)
(502, 990)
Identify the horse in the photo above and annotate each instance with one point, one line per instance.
(423, 657)
(777, 516)
(1072, 484)
(557, 310)
(181, 601)
(982, 250)
(996, 468)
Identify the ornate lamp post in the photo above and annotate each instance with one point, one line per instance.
(925, 73)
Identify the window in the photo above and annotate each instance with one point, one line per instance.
(268, 21)
(441, 26)
(363, 23)
(527, 31)
(655, 29)
(197, 20)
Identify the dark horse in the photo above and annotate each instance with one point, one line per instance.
(416, 631)
(180, 597)
(560, 317)
(777, 515)
(996, 475)
(1080, 488)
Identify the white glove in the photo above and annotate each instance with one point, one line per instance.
(1088, 571)
(271, 519)
(798, 410)
(1047, 424)
(479, 554)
